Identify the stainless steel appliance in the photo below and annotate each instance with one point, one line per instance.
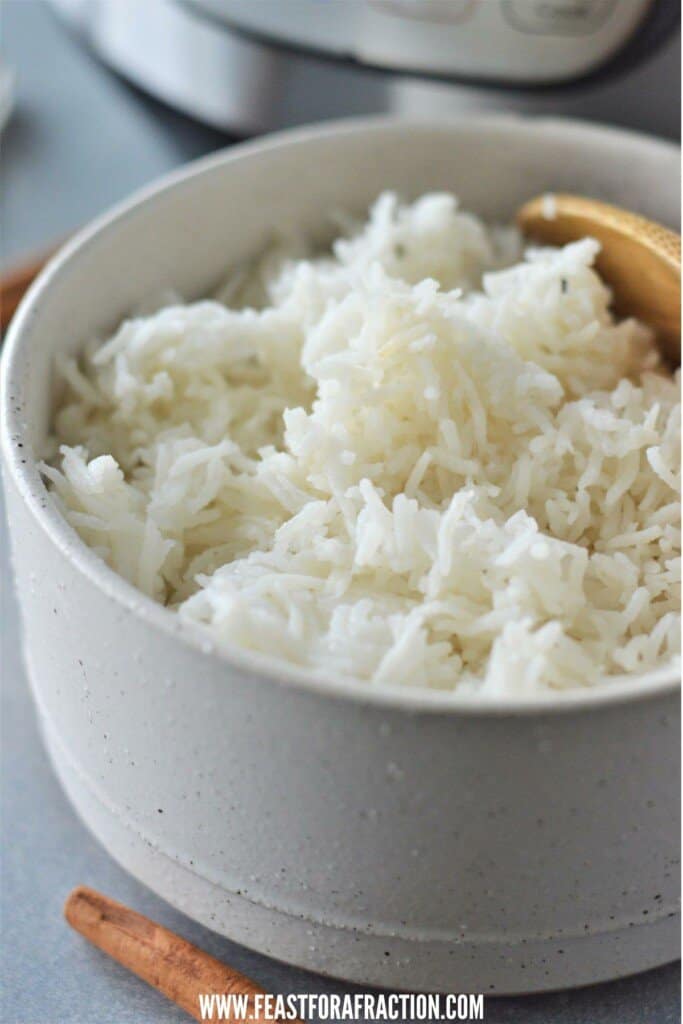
(251, 65)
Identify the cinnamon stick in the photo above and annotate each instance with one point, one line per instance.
(14, 284)
(164, 960)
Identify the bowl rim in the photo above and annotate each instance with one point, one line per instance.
(20, 463)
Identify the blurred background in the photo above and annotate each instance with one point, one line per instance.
(97, 98)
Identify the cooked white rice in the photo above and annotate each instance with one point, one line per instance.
(399, 462)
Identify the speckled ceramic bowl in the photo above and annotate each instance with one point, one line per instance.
(388, 836)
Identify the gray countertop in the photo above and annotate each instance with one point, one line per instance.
(79, 140)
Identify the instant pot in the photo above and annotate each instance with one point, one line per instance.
(247, 67)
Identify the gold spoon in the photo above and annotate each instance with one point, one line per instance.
(640, 260)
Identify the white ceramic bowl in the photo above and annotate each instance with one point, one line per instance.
(389, 836)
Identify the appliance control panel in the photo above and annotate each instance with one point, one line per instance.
(509, 41)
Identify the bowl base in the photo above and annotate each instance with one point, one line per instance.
(492, 967)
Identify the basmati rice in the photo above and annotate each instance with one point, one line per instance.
(426, 459)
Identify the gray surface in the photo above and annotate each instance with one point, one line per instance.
(79, 140)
